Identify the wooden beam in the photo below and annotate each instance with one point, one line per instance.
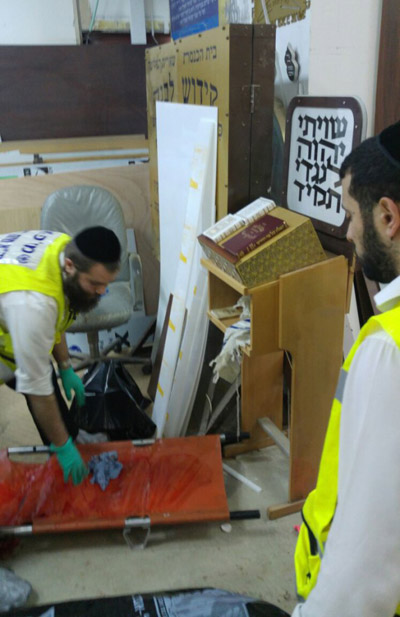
(284, 509)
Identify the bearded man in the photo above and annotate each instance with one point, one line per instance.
(46, 278)
(348, 553)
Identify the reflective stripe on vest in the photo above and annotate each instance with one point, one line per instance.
(320, 505)
(29, 261)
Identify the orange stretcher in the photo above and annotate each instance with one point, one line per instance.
(163, 482)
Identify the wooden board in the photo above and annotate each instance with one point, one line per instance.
(57, 91)
(76, 144)
(311, 325)
(22, 199)
(284, 509)
(231, 68)
(262, 394)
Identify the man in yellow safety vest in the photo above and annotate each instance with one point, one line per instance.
(46, 278)
(347, 556)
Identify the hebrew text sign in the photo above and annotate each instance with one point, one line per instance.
(320, 140)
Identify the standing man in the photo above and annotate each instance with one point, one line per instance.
(348, 553)
(46, 278)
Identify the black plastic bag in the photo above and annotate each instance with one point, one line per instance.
(196, 603)
(113, 404)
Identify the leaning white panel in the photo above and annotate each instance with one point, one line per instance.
(177, 126)
(187, 331)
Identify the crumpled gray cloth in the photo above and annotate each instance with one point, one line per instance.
(14, 591)
(104, 467)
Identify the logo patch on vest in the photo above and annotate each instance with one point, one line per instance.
(25, 248)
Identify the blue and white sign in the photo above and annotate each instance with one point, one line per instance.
(192, 16)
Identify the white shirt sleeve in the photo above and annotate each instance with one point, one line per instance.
(30, 318)
(360, 571)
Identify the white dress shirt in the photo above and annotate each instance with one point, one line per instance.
(30, 317)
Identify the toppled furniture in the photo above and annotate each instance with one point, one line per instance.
(301, 313)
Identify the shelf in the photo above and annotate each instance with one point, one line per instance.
(223, 324)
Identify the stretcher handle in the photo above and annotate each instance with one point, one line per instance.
(240, 515)
(46, 449)
(28, 450)
(228, 438)
(44, 526)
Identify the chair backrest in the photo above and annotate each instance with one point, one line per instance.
(73, 208)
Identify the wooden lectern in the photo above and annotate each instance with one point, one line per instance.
(301, 313)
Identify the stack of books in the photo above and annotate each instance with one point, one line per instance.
(260, 242)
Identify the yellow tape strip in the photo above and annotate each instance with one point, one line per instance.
(171, 325)
(193, 184)
(159, 388)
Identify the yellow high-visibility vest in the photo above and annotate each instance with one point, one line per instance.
(30, 261)
(320, 505)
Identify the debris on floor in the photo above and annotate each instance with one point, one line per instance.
(14, 591)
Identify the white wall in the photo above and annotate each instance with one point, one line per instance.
(337, 47)
(344, 50)
(56, 22)
(116, 13)
(38, 22)
(297, 34)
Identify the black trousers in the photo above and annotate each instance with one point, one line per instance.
(70, 425)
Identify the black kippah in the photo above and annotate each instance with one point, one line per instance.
(389, 142)
(99, 243)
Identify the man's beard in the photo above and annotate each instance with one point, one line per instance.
(80, 301)
(377, 262)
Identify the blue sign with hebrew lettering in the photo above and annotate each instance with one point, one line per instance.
(192, 16)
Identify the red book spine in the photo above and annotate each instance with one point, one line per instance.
(252, 236)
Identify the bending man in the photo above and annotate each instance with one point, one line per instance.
(46, 278)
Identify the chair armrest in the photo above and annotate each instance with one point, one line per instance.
(136, 281)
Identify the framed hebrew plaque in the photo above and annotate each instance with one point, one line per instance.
(320, 133)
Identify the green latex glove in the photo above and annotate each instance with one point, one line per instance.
(70, 461)
(72, 381)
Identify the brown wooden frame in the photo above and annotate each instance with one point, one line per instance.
(341, 102)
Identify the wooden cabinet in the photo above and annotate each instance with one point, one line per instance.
(301, 313)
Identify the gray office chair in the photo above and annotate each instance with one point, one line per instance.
(72, 209)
